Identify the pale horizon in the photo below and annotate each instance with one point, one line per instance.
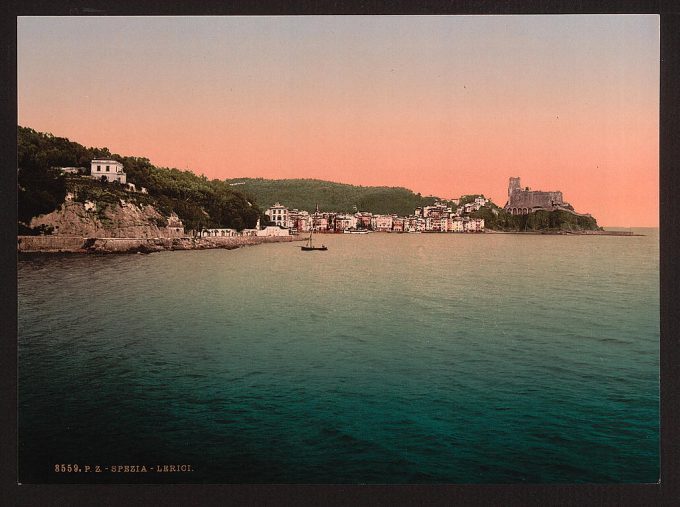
(442, 105)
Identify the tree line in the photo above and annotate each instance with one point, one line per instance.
(198, 201)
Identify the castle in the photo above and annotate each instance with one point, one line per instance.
(525, 201)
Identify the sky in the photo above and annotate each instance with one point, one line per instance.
(443, 105)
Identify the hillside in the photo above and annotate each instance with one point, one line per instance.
(305, 194)
(235, 203)
(199, 202)
(496, 219)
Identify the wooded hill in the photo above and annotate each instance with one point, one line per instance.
(305, 194)
(199, 202)
(235, 203)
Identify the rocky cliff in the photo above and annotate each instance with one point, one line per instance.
(119, 220)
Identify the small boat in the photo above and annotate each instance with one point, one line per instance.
(310, 245)
(356, 231)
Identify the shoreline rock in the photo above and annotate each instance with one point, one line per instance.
(83, 245)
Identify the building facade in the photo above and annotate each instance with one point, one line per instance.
(278, 214)
(381, 223)
(343, 222)
(109, 170)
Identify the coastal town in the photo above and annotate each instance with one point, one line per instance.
(439, 217)
(452, 216)
(126, 217)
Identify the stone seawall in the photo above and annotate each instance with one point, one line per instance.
(77, 244)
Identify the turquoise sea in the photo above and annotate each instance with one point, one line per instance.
(390, 358)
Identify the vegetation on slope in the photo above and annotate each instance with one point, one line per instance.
(497, 219)
(305, 194)
(199, 202)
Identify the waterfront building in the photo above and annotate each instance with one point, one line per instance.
(363, 219)
(278, 214)
(319, 223)
(381, 223)
(415, 224)
(457, 225)
(343, 222)
(109, 170)
(474, 225)
(331, 217)
(299, 221)
(218, 233)
(398, 224)
(411, 223)
(433, 224)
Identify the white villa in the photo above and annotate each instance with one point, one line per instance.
(278, 214)
(112, 170)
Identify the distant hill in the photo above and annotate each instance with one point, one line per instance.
(305, 194)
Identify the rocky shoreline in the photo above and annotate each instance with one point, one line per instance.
(83, 245)
(567, 233)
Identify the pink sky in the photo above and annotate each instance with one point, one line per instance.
(444, 105)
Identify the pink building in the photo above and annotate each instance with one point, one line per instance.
(363, 220)
(381, 223)
(398, 224)
(474, 225)
(343, 222)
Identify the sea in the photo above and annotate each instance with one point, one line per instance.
(387, 359)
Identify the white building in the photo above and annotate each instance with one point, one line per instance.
(218, 233)
(343, 222)
(381, 223)
(272, 230)
(112, 170)
(474, 225)
(457, 225)
(278, 214)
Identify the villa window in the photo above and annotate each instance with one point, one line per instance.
(107, 168)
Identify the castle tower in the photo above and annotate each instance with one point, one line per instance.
(513, 185)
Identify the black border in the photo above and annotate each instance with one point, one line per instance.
(665, 493)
